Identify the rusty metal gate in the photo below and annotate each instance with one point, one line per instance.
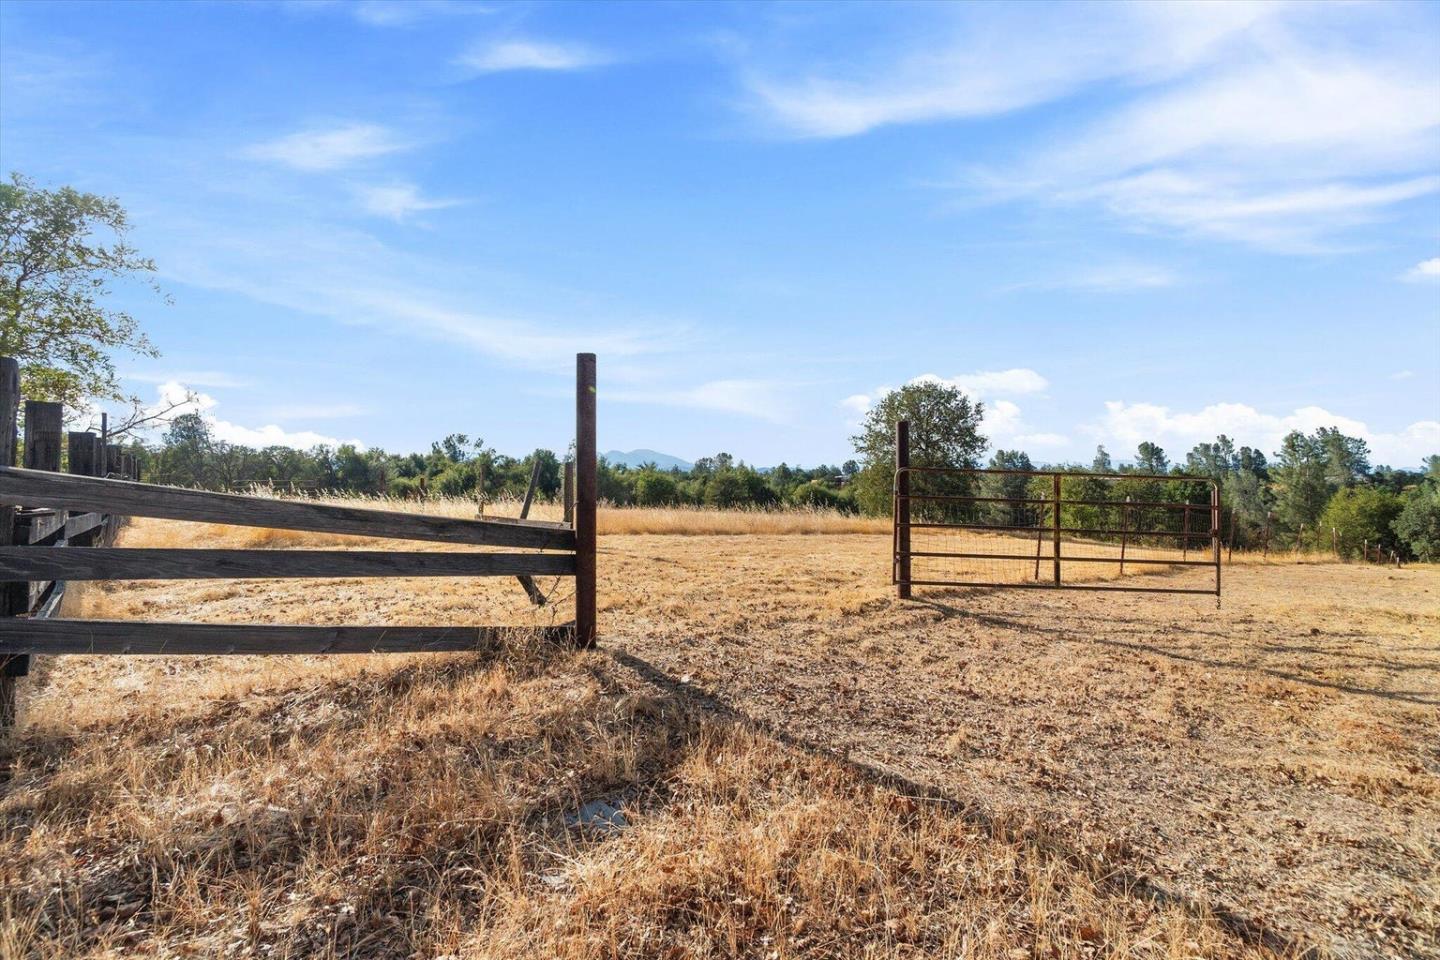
(1046, 529)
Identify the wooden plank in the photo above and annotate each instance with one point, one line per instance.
(64, 636)
(83, 523)
(37, 526)
(120, 563)
(126, 498)
(587, 492)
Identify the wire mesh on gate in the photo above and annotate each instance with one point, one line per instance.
(1002, 528)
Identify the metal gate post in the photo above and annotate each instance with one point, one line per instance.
(902, 508)
(1057, 529)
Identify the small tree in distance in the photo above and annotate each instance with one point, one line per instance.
(944, 432)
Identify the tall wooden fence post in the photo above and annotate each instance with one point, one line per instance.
(902, 508)
(13, 596)
(587, 491)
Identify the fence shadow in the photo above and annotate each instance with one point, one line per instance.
(1130, 879)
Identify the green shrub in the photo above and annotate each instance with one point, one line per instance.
(816, 495)
(655, 489)
(1357, 515)
(1418, 523)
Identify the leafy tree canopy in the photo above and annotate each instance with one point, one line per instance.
(60, 252)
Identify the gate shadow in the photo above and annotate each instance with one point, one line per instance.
(1118, 878)
(1419, 697)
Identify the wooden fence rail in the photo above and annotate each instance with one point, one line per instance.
(57, 527)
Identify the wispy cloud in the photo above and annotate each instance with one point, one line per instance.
(387, 13)
(760, 399)
(1425, 270)
(331, 148)
(497, 56)
(1124, 425)
(398, 201)
(1402, 375)
(1277, 126)
(193, 378)
(1119, 277)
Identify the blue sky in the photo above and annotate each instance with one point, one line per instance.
(385, 222)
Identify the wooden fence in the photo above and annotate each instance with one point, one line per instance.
(58, 527)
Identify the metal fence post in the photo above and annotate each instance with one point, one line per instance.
(902, 508)
(1056, 528)
(587, 490)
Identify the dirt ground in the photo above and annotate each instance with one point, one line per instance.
(1276, 760)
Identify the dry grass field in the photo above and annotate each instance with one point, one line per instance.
(805, 766)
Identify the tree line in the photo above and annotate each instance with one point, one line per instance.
(61, 249)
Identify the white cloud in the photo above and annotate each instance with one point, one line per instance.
(982, 61)
(1277, 126)
(1423, 271)
(173, 393)
(1402, 375)
(398, 201)
(1124, 425)
(1004, 422)
(992, 383)
(497, 56)
(330, 148)
(326, 269)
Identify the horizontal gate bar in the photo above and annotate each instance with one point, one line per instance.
(1064, 558)
(970, 471)
(1212, 592)
(110, 563)
(21, 636)
(1201, 534)
(1133, 505)
(66, 492)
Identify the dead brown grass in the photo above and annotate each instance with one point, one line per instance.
(809, 768)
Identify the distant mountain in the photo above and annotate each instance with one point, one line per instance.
(633, 458)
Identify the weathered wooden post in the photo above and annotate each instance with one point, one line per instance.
(14, 597)
(112, 459)
(587, 491)
(1056, 528)
(81, 449)
(1268, 515)
(44, 432)
(1335, 541)
(902, 508)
